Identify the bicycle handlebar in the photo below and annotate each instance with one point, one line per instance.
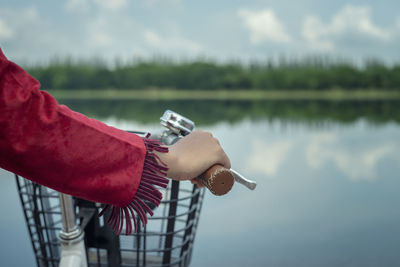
(218, 179)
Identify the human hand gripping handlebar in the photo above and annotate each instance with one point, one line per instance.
(218, 179)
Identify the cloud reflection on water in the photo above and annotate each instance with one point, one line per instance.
(311, 213)
(267, 158)
(358, 163)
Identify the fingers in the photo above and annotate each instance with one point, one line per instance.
(220, 155)
(222, 158)
(225, 161)
(217, 141)
(194, 154)
(196, 182)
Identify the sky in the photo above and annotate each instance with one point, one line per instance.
(37, 31)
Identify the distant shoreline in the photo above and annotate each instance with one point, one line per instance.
(225, 95)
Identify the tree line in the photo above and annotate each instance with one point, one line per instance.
(315, 74)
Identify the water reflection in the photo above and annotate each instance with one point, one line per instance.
(357, 161)
(325, 197)
(327, 188)
(212, 112)
(267, 157)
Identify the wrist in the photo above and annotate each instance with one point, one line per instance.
(171, 160)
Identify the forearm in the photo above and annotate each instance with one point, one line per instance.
(62, 149)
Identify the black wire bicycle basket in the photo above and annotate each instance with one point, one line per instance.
(167, 239)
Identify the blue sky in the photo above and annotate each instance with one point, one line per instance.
(36, 31)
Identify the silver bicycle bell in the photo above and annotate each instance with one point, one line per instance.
(177, 127)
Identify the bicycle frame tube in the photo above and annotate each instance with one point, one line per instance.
(73, 252)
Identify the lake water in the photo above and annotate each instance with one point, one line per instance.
(327, 194)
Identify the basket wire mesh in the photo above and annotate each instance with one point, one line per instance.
(167, 239)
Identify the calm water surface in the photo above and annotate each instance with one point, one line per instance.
(327, 195)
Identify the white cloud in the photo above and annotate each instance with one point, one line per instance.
(22, 26)
(34, 37)
(111, 34)
(77, 5)
(6, 33)
(111, 4)
(153, 3)
(316, 34)
(170, 43)
(351, 20)
(266, 158)
(117, 33)
(85, 5)
(98, 34)
(397, 24)
(29, 14)
(357, 164)
(264, 26)
(100, 38)
(19, 17)
(152, 38)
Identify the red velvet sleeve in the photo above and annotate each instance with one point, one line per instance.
(54, 146)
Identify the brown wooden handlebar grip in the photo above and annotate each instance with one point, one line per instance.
(217, 179)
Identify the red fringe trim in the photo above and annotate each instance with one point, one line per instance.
(154, 173)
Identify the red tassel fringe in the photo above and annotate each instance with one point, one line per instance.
(154, 173)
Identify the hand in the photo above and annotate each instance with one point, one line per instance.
(193, 155)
